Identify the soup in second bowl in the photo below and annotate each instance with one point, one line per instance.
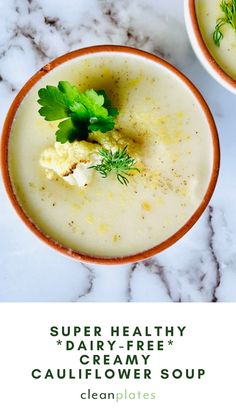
(219, 35)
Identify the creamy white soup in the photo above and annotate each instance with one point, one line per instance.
(172, 138)
(208, 11)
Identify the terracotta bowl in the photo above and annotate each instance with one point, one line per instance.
(201, 50)
(9, 187)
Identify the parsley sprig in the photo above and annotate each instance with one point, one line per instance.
(229, 10)
(82, 113)
(119, 162)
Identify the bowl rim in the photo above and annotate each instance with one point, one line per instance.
(204, 49)
(6, 175)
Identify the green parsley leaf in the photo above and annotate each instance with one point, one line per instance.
(71, 92)
(70, 130)
(85, 112)
(79, 112)
(53, 104)
(102, 124)
(67, 131)
(107, 103)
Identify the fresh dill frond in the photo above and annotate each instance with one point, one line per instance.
(119, 162)
(229, 10)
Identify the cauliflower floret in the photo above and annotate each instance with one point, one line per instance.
(114, 139)
(71, 161)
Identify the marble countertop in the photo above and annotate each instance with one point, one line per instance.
(202, 265)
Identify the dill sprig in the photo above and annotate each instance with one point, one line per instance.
(229, 10)
(119, 162)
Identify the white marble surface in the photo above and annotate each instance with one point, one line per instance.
(200, 267)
